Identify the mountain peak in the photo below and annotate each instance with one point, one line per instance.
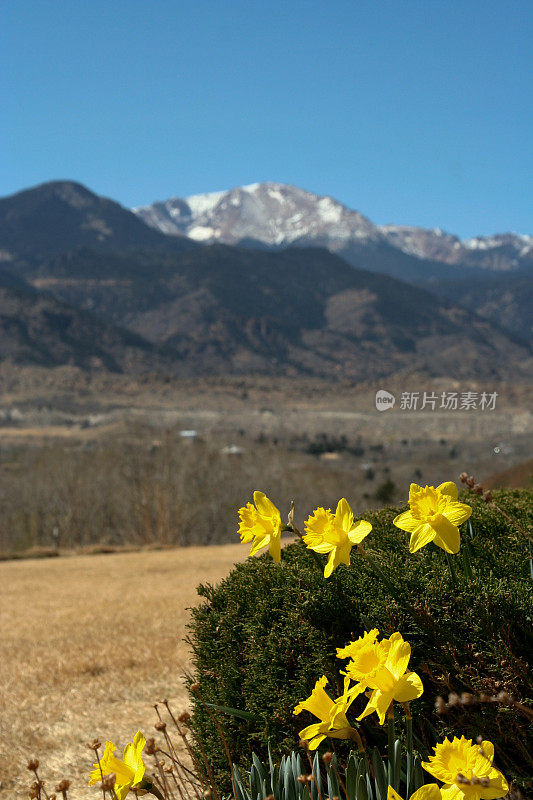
(276, 214)
(279, 215)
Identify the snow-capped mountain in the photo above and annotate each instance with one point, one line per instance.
(277, 214)
(271, 213)
(501, 252)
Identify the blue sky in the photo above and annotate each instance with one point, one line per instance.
(414, 111)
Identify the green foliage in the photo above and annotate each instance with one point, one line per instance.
(266, 633)
(355, 781)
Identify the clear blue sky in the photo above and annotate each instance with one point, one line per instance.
(411, 111)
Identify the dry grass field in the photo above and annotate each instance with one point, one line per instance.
(88, 644)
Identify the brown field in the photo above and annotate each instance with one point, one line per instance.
(88, 644)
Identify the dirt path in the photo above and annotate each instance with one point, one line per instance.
(87, 645)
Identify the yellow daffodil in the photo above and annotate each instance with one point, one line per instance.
(390, 681)
(262, 524)
(466, 770)
(331, 713)
(433, 516)
(335, 534)
(428, 792)
(366, 655)
(129, 772)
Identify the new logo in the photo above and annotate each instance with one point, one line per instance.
(384, 400)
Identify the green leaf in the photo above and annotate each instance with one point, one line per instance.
(381, 774)
(351, 776)
(235, 712)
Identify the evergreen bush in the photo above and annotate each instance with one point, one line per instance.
(266, 633)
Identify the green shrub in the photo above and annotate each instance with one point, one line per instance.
(265, 634)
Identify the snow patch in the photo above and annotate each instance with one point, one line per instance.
(203, 203)
(329, 210)
(275, 194)
(201, 233)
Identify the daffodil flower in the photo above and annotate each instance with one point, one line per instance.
(466, 770)
(129, 772)
(366, 656)
(434, 515)
(430, 791)
(335, 534)
(261, 523)
(331, 713)
(390, 681)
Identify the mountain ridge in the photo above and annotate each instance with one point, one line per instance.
(199, 308)
(279, 214)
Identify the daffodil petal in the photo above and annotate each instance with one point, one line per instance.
(406, 522)
(310, 731)
(122, 791)
(499, 789)
(332, 563)
(399, 655)
(379, 702)
(448, 488)
(393, 795)
(359, 531)
(424, 534)
(428, 792)
(457, 513)
(313, 744)
(344, 553)
(265, 506)
(452, 793)
(259, 543)
(275, 548)
(483, 763)
(318, 546)
(409, 688)
(448, 535)
(382, 703)
(344, 515)
(319, 702)
(369, 708)
(341, 733)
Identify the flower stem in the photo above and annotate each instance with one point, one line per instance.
(390, 743)
(452, 569)
(409, 745)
